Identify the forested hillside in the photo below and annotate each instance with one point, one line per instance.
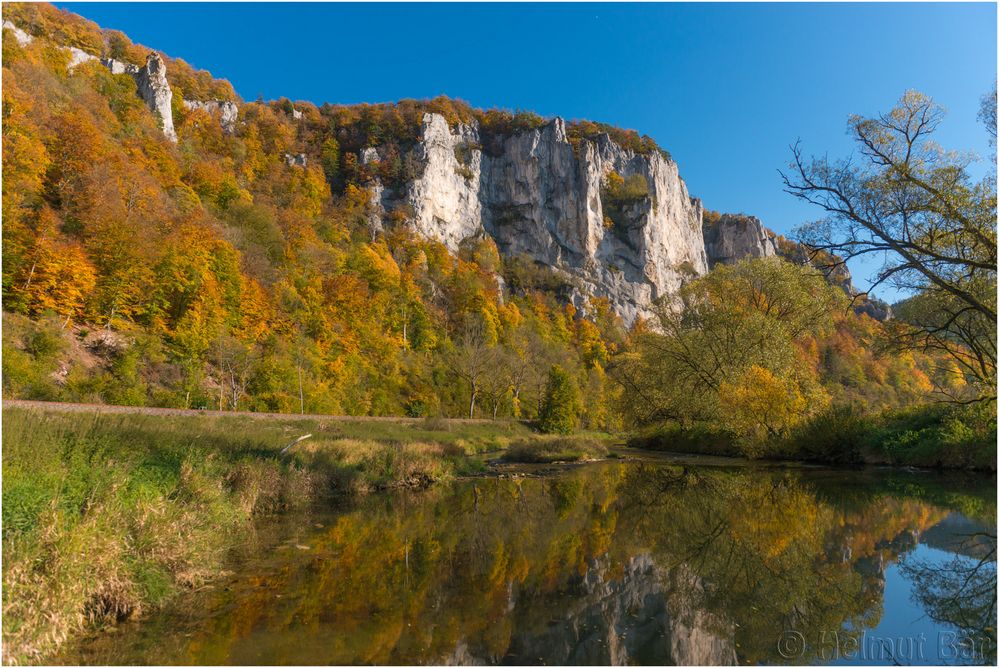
(215, 274)
(238, 270)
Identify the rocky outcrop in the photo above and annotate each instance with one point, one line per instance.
(537, 195)
(155, 91)
(118, 67)
(226, 112)
(21, 36)
(729, 238)
(78, 57)
(152, 86)
(736, 236)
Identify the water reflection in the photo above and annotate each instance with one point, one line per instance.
(607, 564)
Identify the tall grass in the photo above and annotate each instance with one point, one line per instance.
(556, 449)
(941, 436)
(105, 515)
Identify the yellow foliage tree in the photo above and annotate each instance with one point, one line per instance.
(760, 406)
(59, 276)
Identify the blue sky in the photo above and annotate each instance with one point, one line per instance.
(724, 87)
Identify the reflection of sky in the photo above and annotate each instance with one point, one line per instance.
(905, 619)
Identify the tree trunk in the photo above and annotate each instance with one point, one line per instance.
(471, 404)
(31, 275)
(301, 394)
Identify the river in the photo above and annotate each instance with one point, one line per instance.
(633, 562)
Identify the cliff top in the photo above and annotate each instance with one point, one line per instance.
(367, 124)
(69, 29)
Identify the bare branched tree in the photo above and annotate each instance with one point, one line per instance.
(471, 359)
(236, 362)
(915, 207)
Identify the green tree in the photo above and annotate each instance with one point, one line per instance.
(560, 407)
(737, 317)
(331, 159)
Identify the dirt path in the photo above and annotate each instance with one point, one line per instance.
(64, 407)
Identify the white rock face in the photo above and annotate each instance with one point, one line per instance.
(738, 236)
(118, 67)
(536, 196)
(445, 198)
(152, 86)
(155, 90)
(78, 57)
(22, 37)
(226, 112)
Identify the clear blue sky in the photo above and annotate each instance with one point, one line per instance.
(724, 87)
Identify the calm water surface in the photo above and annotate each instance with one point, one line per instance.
(613, 563)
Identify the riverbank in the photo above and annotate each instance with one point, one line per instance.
(109, 512)
(933, 436)
(490, 567)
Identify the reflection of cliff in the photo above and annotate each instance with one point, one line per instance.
(642, 617)
(958, 534)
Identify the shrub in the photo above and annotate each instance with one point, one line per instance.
(699, 438)
(558, 449)
(838, 435)
(560, 407)
(617, 192)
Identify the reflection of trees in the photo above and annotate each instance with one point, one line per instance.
(961, 592)
(757, 542)
(559, 567)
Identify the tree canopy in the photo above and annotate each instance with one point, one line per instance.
(915, 207)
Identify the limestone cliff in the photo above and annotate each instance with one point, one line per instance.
(729, 238)
(536, 194)
(226, 112)
(152, 86)
(735, 236)
(155, 91)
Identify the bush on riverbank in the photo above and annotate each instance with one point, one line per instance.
(104, 515)
(934, 435)
(556, 449)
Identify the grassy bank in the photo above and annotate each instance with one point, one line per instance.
(105, 515)
(934, 436)
(549, 449)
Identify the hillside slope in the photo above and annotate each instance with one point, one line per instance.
(166, 243)
(237, 267)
